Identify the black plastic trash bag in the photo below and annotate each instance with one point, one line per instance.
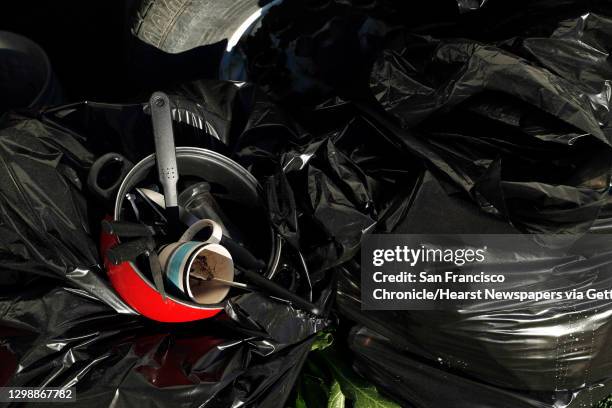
(417, 383)
(61, 323)
(344, 179)
(441, 122)
(473, 105)
(478, 100)
(522, 126)
(505, 354)
(500, 119)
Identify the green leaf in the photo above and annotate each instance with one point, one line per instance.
(336, 397)
(328, 380)
(606, 403)
(356, 389)
(299, 401)
(369, 397)
(323, 341)
(314, 391)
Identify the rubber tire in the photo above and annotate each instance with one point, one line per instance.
(179, 25)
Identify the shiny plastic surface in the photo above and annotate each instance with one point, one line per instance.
(61, 321)
(491, 118)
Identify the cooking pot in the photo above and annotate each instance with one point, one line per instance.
(241, 196)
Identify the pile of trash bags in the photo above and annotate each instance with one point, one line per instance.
(366, 117)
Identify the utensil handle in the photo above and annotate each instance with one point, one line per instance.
(98, 167)
(127, 229)
(275, 289)
(241, 255)
(158, 273)
(128, 251)
(165, 149)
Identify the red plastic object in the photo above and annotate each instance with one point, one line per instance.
(141, 295)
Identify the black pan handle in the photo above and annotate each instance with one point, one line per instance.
(95, 172)
(129, 251)
(241, 255)
(274, 289)
(127, 229)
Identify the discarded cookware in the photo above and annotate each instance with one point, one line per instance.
(208, 267)
(106, 175)
(165, 155)
(129, 251)
(133, 284)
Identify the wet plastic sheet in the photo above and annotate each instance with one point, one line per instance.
(62, 324)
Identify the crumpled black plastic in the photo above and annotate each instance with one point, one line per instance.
(494, 354)
(472, 105)
(346, 178)
(498, 113)
(519, 127)
(476, 98)
(62, 324)
(390, 116)
(491, 354)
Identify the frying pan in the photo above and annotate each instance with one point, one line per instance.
(132, 283)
